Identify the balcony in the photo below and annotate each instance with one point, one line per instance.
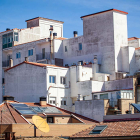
(42, 56)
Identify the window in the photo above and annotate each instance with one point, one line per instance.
(51, 27)
(66, 49)
(63, 80)
(104, 96)
(98, 129)
(95, 97)
(80, 46)
(15, 36)
(30, 52)
(52, 79)
(63, 101)
(52, 100)
(18, 55)
(43, 53)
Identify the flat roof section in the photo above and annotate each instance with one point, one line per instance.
(104, 12)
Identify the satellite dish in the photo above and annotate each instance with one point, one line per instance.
(40, 123)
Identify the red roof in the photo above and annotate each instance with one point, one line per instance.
(44, 19)
(10, 115)
(114, 129)
(35, 64)
(66, 112)
(9, 30)
(61, 38)
(104, 12)
(132, 38)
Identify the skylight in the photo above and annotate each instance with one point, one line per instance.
(98, 129)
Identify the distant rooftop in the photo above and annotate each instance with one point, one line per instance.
(104, 12)
(45, 19)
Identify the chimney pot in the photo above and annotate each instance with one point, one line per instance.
(54, 35)
(7, 29)
(26, 59)
(75, 33)
(42, 100)
(8, 98)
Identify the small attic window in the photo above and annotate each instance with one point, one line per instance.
(98, 129)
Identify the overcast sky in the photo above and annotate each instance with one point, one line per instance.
(13, 13)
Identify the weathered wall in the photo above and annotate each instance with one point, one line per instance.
(55, 129)
(1, 69)
(26, 83)
(45, 26)
(93, 109)
(134, 43)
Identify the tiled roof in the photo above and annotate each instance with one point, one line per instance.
(44, 19)
(132, 38)
(33, 63)
(61, 38)
(9, 115)
(66, 112)
(114, 129)
(104, 12)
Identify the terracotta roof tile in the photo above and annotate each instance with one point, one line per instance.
(61, 38)
(9, 115)
(132, 38)
(44, 19)
(104, 12)
(114, 129)
(36, 64)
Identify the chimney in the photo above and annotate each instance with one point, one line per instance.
(11, 63)
(8, 98)
(7, 29)
(26, 59)
(43, 101)
(79, 97)
(95, 67)
(75, 33)
(54, 35)
(79, 72)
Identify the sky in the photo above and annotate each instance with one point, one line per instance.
(13, 13)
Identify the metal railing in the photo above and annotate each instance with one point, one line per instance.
(41, 56)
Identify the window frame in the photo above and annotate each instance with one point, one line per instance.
(51, 80)
(18, 55)
(30, 52)
(63, 82)
(80, 46)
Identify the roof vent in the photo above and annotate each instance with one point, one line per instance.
(7, 29)
(8, 98)
(75, 33)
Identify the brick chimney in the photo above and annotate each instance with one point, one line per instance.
(8, 98)
(43, 101)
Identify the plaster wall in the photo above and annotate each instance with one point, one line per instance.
(58, 90)
(23, 49)
(45, 26)
(120, 37)
(93, 109)
(134, 43)
(1, 69)
(26, 83)
(58, 49)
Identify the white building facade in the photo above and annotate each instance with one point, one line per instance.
(101, 60)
